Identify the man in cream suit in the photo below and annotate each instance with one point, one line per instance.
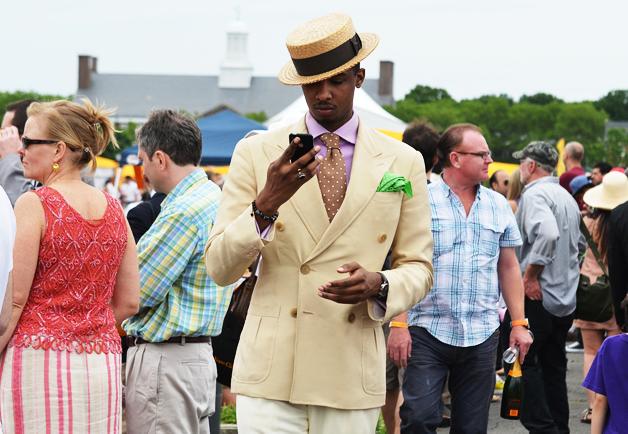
(311, 357)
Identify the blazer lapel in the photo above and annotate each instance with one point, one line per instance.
(367, 169)
(307, 201)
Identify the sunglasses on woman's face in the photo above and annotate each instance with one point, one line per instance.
(26, 142)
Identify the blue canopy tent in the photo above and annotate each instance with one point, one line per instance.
(221, 130)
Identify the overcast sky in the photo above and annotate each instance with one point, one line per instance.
(573, 49)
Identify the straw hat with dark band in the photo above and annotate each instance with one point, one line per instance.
(324, 47)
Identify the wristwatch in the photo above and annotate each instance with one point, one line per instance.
(382, 294)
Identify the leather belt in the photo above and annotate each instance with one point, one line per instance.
(133, 341)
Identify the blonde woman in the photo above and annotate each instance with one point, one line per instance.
(515, 187)
(75, 276)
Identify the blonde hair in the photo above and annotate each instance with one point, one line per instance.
(514, 186)
(84, 128)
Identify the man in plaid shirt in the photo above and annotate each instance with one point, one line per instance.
(454, 329)
(171, 374)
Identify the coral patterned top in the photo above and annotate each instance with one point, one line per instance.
(68, 307)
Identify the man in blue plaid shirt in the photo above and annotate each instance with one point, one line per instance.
(454, 329)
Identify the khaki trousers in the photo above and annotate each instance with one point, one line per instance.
(267, 416)
(170, 388)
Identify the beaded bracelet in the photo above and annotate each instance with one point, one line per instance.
(265, 217)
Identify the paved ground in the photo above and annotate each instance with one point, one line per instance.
(497, 425)
(577, 402)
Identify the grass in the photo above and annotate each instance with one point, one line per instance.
(228, 414)
(381, 428)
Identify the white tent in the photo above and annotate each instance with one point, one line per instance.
(368, 110)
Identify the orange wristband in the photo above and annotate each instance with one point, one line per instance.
(520, 322)
(399, 324)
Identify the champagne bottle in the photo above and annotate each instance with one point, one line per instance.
(513, 392)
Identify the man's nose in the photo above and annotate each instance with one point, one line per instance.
(324, 91)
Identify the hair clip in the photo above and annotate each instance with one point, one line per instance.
(85, 149)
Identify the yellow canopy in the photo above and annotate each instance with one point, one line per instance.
(506, 167)
(560, 146)
(394, 134)
(106, 163)
(217, 169)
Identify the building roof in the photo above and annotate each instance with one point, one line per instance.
(135, 95)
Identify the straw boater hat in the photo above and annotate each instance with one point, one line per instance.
(611, 192)
(324, 47)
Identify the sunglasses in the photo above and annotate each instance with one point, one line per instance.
(26, 142)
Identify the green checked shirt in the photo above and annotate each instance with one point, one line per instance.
(177, 296)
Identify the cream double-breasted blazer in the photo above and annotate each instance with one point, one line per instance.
(297, 346)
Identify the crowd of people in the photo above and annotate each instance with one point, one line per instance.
(355, 234)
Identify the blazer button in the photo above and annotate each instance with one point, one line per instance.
(305, 269)
(293, 312)
(382, 238)
(280, 226)
(351, 317)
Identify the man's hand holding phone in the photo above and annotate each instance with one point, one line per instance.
(285, 176)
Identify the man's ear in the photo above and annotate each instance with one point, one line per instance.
(359, 77)
(162, 159)
(454, 160)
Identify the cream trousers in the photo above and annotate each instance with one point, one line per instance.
(267, 416)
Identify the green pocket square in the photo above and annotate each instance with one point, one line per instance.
(391, 183)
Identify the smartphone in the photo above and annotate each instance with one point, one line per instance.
(306, 145)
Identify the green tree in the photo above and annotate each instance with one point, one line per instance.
(617, 147)
(125, 137)
(260, 117)
(441, 114)
(509, 125)
(581, 122)
(422, 94)
(540, 98)
(615, 103)
(9, 97)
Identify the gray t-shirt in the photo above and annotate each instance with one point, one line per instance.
(12, 177)
(549, 221)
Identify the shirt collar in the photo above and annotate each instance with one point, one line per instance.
(448, 191)
(546, 179)
(348, 131)
(184, 185)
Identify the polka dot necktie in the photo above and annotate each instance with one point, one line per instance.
(332, 175)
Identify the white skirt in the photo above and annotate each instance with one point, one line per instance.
(48, 391)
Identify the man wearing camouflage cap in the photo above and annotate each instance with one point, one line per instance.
(549, 221)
